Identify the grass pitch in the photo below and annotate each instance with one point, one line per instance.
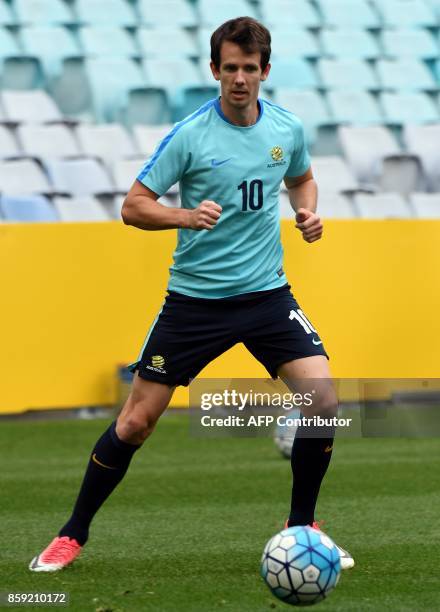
(186, 528)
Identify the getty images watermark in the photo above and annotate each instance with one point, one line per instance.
(254, 402)
(352, 407)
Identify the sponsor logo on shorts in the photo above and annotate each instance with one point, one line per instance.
(316, 342)
(157, 363)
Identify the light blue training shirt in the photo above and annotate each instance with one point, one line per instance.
(241, 169)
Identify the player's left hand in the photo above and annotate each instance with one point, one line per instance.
(309, 224)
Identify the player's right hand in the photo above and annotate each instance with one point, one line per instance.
(205, 216)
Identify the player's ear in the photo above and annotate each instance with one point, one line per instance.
(265, 73)
(215, 71)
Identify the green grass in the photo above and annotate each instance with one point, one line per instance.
(186, 528)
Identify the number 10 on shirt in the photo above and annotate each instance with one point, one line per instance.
(252, 195)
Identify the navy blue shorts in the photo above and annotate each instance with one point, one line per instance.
(190, 332)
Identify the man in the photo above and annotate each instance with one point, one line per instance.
(227, 284)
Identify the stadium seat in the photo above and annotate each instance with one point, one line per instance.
(354, 43)
(125, 171)
(147, 137)
(7, 17)
(213, 14)
(330, 206)
(167, 13)
(293, 74)
(426, 205)
(405, 74)
(406, 13)
(377, 161)
(97, 41)
(348, 14)
(29, 107)
(172, 73)
(47, 141)
(71, 89)
(335, 206)
(333, 175)
(43, 12)
(413, 43)
(286, 210)
(311, 108)
(381, 206)
(423, 140)
(347, 74)
(294, 43)
(182, 82)
(120, 93)
(23, 177)
(167, 42)
(85, 208)
(107, 141)
(9, 46)
(51, 45)
(402, 108)
(27, 209)
(106, 12)
(354, 107)
(9, 146)
(280, 13)
(79, 177)
(19, 71)
(207, 76)
(204, 42)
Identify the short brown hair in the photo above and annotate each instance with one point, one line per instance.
(247, 33)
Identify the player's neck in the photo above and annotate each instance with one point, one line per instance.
(240, 116)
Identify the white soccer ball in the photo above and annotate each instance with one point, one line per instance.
(301, 565)
(284, 433)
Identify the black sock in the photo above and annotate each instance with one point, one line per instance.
(309, 460)
(107, 466)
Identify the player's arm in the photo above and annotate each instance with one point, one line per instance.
(303, 196)
(142, 210)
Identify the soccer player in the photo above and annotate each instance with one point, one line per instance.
(227, 283)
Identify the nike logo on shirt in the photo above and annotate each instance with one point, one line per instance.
(215, 163)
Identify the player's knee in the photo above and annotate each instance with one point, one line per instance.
(324, 405)
(135, 428)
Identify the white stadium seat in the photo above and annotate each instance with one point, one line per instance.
(426, 205)
(333, 175)
(147, 137)
(9, 146)
(34, 106)
(85, 208)
(382, 206)
(125, 171)
(23, 177)
(108, 141)
(47, 141)
(423, 140)
(80, 177)
(377, 160)
(334, 206)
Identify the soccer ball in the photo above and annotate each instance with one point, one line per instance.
(285, 433)
(301, 565)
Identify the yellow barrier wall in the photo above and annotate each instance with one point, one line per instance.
(77, 299)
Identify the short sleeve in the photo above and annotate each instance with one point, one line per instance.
(167, 164)
(300, 160)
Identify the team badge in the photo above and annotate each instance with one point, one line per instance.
(157, 361)
(277, 153)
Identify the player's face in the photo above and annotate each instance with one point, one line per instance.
(240, 75)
